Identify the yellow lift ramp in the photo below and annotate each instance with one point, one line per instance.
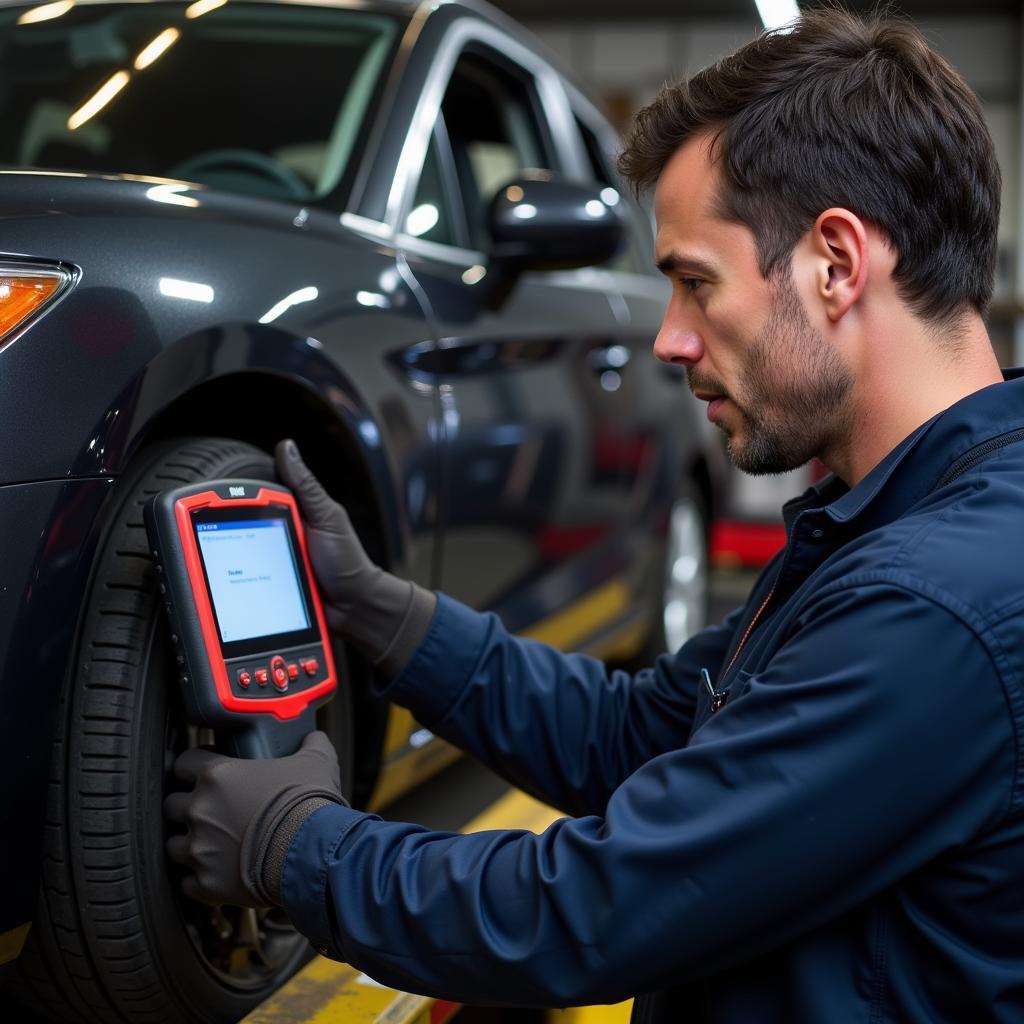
(326, 992)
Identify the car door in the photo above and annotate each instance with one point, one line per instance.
(531, 505)
(670, 455)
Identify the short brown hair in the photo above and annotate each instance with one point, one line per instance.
(844, 111)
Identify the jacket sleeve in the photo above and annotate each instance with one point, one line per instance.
(560, 726)
(875, 741)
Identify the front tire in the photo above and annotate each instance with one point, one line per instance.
(113, 937)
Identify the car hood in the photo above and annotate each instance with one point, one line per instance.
(28, 193)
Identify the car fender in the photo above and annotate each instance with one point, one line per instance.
(257, 383)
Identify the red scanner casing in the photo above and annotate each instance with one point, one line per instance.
(283, 707)
(259, 720)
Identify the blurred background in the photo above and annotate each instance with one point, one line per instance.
(623, 50)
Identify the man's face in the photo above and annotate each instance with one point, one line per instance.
(776, 387)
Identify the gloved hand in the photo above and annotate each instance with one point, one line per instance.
(242, 816)
(383, 616)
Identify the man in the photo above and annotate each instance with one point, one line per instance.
(814, 812)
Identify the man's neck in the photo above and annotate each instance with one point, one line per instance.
(906, 381)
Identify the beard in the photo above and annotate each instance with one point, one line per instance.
(793, 394)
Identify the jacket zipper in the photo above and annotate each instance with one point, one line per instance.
(976, 454)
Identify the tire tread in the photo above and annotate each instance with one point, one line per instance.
(87, 864)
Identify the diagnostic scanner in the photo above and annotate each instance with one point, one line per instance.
(253, 654)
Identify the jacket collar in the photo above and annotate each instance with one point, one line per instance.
(920, 459)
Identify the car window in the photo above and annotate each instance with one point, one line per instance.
(431, 216)
(263, 99)
(494, 132)
(635, 257)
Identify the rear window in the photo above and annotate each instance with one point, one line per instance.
(270, 100)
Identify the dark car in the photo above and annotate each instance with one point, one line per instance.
(392, 232)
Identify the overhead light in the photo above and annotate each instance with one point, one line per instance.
(157, 48)
(47, 12)
(302, 295)
(175, 289)
(103, 95)
(201, 7)
(777, 13)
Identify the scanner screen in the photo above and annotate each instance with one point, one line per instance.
(253, 578)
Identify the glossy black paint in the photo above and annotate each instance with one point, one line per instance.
(117, 363)
(517, 453)
(542, 223)
(48, 534)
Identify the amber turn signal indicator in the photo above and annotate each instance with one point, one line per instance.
(23, 294)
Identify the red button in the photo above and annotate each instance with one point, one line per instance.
(262, 676)
(244, 679)
(312, 666)
(293, 670)
(279, 672)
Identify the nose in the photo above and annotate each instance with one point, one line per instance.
(677, 341)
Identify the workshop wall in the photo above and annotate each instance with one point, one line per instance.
(625, 63)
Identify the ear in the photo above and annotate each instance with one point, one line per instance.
(839, 242)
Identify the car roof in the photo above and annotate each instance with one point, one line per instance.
(396, 6)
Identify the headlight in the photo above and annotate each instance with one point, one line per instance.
(26, 291)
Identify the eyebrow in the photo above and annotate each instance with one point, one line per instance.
(674, 262)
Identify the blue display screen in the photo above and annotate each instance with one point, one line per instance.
(254, 581)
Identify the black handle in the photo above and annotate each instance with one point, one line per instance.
(267, 736)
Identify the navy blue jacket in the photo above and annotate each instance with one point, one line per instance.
(842, 841)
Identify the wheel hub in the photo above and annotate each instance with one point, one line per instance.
(686, 575)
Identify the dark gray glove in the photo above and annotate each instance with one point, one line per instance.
(383, 616)
(243, 814)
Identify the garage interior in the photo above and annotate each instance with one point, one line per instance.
(622, 53)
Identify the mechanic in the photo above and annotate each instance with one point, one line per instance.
(814, 811)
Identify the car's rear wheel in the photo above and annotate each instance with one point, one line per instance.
(680, 594)
(685, 586)
(113, 937)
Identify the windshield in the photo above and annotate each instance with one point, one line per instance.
(269, 100)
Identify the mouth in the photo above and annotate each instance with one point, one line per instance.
(715, 402)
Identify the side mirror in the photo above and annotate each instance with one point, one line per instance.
(539, 222)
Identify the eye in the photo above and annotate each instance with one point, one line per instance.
(691, 284)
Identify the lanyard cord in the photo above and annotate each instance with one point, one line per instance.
(753, 623)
